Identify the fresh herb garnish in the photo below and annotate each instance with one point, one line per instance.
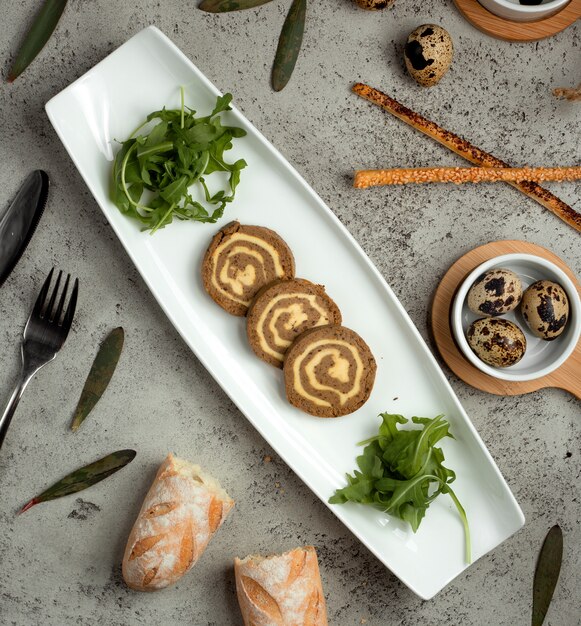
(401, 472)
(169, 162)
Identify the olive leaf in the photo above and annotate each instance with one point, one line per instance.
(84, 477)
(289, 44)
(101, 372)
(223, 6)
(547, 574)
(42, 28)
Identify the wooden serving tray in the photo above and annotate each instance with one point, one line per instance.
(567, 377)
(502, 28)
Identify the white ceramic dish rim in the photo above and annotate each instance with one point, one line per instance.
(537, 9)
(213, 366)
(506, 260)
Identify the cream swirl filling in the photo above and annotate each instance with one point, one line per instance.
(240, 278)
(339, 370)
(297, 315)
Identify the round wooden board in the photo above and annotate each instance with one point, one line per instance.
(567, 377)
(502, 28)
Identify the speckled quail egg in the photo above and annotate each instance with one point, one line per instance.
(428, 54)
(497, 342)
(545, 307)
(494, 293)
(374, 5)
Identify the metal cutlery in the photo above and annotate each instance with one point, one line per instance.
(19, 221)
(44, 335)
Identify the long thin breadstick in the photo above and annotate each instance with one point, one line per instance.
(458, 175)
(469, 152)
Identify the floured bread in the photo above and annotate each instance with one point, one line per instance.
(241, 260)
(281, 590)
(181, 512)
(329, 371)
(283, 310)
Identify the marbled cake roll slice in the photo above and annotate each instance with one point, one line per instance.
(329, 371)
(240, 261)
(282, 311)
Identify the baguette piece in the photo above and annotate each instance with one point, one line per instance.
(180, 514)
(468, 151)
(281, 590)
(459, 175)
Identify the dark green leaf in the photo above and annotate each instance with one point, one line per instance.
(547, 574)
(157, 134)
(42, 28)
(289, 44)
(174, 191)
(84, 477)
(203, 134)
(222, 6)
(408, 452)
(101, 372)
(222, 104)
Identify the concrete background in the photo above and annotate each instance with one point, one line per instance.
(60, 562)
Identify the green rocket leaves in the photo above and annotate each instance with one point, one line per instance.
(156, 175)
(401, 472)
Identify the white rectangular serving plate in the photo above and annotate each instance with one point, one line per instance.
(108, 103)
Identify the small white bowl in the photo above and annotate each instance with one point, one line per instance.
(516, 12)
(541, 357)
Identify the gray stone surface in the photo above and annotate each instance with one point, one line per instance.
(60, 562)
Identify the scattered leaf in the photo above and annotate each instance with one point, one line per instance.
(84, 477)
(547, 574)
(289, 44)
(98, 379)
(42, 28)
(223, 6)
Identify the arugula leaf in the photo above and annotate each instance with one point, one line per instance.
(170, 160)
(401, 471)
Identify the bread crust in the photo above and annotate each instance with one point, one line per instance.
(281, 590)
(182, 510)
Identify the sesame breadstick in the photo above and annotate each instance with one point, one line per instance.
(569, 94)
(459, 175)
(468, 151)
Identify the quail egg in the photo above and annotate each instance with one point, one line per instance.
(545, 307)
(494, 293)
(428, 54)
(374, 5)
(497, 342)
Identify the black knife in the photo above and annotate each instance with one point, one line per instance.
(19, 221)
